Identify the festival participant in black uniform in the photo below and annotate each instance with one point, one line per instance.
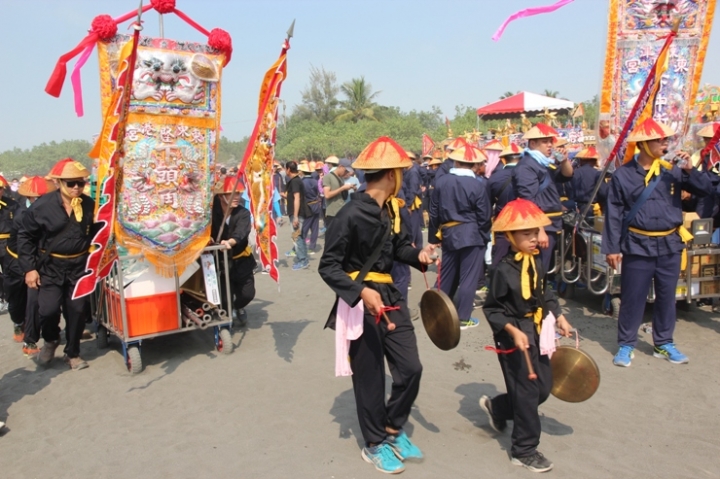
(460, 212)
(22, 301)
(515, 307)
(53, 244)
(7, 210)
(501, 193)
(298, 210)
(235, 237)
(534, 179)
(311, 225)
(644, 229)
(585, 177)
(363, 241)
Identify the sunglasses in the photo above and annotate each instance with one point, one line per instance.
(74, 183)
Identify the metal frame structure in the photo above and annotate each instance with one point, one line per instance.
(107, 310)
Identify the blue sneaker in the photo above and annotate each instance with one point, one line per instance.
(403, 447)
(383, 458)
(299, 266)
(624, 356)
(671, 353)
(469, 323)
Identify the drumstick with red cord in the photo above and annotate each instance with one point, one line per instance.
(390, 324)
(531, 376)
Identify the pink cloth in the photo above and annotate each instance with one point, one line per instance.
(492, 162)
(76, 82)
(348, 327)
(528, 12)
(547, 336)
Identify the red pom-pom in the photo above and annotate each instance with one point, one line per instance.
(104, 26)
(220, 40)
(163, 6)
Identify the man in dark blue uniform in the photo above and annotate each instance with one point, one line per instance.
(501, 193)
(412, 187)
(644, 229)
(460, 212)
(709, 165)
(311, 225)
(585, 177)
(534, 179)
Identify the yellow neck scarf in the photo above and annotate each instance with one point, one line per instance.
(528, 261)
(656, 166)
(394, 204)
(75, 203)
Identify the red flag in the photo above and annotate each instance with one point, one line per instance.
(427, 145)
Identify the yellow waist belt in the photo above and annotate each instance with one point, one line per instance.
(246, 252)
(314, 202)
(449, 224)
(4, 236)
(70, 256)
(10, 252)
(416, 204)
(685, 236)
(374, 277)
(554, 214)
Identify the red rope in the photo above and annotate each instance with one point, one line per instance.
(500, 351)
(384, 310)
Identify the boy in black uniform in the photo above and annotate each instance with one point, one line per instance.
(517, 303)
(362, 242)
(22, 301)
(53, 244)
(235, 237)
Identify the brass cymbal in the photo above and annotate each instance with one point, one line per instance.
(576, 376)
(440, 319)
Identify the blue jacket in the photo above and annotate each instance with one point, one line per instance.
(312, 194)
(463, 199)
(412, 183)
(583, 183)
(536, 183)
(501, 188)
(661, 212)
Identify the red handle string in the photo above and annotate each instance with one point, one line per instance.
(383, 310)
(500, 351)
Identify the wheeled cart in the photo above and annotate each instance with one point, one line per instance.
(135, 319)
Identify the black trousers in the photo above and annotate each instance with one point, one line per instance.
(32, 319)
(52, 298)
(16, 294)
(367, 355)
(520, 403)
(243, 290)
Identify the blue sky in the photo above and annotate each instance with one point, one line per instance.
(418, 53)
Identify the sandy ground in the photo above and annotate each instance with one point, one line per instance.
(274, 409)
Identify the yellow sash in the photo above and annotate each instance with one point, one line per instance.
(685, 236)
(449, 224)
(10, 252)
(374, 277)
(246, 252)
(4, 236)
(416, 204)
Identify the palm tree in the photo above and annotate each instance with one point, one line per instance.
(359, 102)
(507, 94)
(551, 94)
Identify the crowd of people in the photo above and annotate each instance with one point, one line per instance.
(497, 231)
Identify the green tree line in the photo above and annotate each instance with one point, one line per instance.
(332, 119)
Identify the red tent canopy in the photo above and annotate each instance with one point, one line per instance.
(524, 102)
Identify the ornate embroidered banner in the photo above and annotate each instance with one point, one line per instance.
(635, 32)
(169, 148)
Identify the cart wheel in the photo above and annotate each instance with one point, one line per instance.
(224, 342)
(615, 307)
(134, 360)
(102, 337)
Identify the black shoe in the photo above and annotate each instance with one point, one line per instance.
(498, 425)
(535, 462)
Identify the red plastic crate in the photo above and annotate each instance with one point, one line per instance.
(145, 315)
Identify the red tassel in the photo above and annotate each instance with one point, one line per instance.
(104, 26)
(220, 40)
(163, 6)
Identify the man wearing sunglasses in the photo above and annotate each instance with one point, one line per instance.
(7, 208)
(53, 244)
